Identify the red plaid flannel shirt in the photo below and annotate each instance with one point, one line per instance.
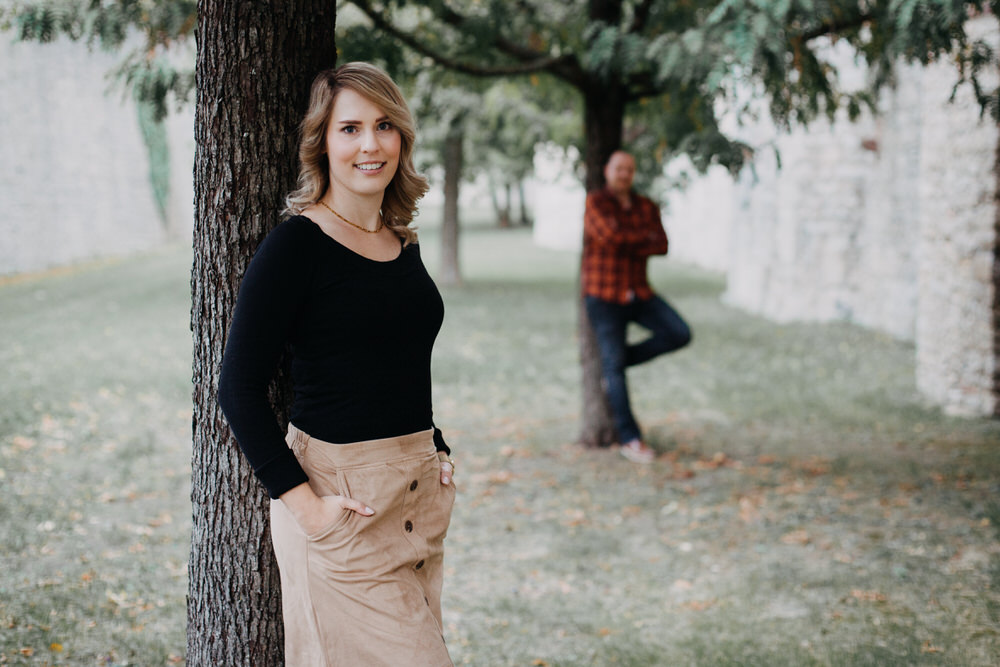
(617, 244)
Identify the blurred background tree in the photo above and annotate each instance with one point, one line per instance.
(663, 72)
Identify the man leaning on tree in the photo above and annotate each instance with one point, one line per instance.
(622, 230)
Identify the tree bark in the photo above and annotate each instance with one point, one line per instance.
(254, 65)
(502, 216)
(523, 202)
(604, 117)
(450, 273)
(508, 208)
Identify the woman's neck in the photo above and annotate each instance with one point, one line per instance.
(362, 210)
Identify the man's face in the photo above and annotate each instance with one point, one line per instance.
(619, 173)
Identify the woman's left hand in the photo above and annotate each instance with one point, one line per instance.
(447, 472)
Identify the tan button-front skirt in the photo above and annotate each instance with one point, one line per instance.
(366, 591)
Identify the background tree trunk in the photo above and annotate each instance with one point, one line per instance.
(996, 285)
(501, 213)
(604, 114)
(254, 65)
(523, 201)
(450, 273)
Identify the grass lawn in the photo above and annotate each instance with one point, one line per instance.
(806, 509)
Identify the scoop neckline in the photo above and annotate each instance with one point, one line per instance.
(352, 250)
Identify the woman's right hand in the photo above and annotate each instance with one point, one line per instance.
(314, 513)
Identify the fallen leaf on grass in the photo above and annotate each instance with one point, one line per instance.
(718, 460)
(538, 662)
(698, 605)
(515, 452)
(27, 651)
(929, 648)
(748, 510)
(23, 443)
(56, 648)
(867, 596)
(631, 510)
(815, 466)
(501, 477)
(799, 537)
(682, 585)
(680, 472)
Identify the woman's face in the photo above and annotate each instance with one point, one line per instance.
(362, 145)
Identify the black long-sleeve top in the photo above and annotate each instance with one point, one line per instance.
(360, 333)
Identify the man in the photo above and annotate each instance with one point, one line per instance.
(622, 229)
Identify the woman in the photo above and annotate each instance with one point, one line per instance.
(357, 526)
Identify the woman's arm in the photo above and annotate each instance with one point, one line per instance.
(272, 292)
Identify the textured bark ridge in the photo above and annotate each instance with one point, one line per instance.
(254, 65)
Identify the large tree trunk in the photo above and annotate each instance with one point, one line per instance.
(604, 117)
(255, 61)
(449, 273)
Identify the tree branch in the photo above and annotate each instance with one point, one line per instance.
(564, 67)
(834, 27)
(641, 16)
(458, 21)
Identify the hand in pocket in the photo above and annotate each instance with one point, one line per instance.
(316, 513)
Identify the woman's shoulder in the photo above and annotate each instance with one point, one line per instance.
(296, 228)
(290, 245)
(295, 234)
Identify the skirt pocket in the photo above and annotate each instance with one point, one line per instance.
(334, 526)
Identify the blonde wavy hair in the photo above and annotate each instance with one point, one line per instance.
(406, 187)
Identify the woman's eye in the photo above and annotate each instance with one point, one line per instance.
(385, 125)
(349, 129)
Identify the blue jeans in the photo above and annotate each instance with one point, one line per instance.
(609, 320)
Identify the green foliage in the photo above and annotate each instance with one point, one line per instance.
(679, 64)
(157, 33)
(788, 48)
(682, 64)
(154, 135)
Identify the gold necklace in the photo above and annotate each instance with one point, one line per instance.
(377, 229)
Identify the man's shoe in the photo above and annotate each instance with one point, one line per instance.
(637, 451)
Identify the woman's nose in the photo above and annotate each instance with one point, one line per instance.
(368, 141)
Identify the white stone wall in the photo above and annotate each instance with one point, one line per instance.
(795, 252)
(954, 328)
(699, 220)
(887, 222)
(74, 179)
(558, 200)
